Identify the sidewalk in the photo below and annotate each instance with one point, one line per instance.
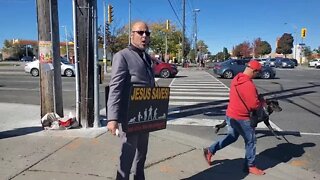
(29, 153)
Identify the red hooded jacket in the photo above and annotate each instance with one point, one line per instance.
(248, 92)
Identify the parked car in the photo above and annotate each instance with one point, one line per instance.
(67, 69)
(26, 58)
(284, 63)
(164, 69)
(230, 68)
(314, 62)
(295, 61)
(262, 61)
(270, 62)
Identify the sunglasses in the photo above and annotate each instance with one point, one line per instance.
(143, 32)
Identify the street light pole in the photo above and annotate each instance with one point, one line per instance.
(104, 40)
(129, 33)
(295, 39)
(66, 39)
(183, 29)
(195, 32)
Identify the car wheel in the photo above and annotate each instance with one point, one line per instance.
(265, 75)
(228, 74)
(68, 72)
(34, 72)
(165, 73)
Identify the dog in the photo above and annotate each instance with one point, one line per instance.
(263, 114)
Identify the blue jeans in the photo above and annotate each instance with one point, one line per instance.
(236, 128)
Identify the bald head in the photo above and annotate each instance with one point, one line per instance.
(138, 24)
(140, 35)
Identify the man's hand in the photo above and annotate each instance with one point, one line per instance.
(112, 126)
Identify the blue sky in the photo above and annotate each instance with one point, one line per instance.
(221, 23)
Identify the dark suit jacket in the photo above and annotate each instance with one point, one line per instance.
(128, 69)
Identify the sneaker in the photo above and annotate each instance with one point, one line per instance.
(207, 155)
(254, 170)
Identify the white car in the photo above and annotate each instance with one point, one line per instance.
(314, 62)
(67, 69)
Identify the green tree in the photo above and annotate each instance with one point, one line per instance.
(158, 39)
(203, 48)
(117, 39)
(226, 54)
(15, 50)
(261, 48)
(219, 56)
(307, 52)
(317, 51)
(285, 44)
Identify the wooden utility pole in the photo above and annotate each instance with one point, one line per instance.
(50, 87)
(58, 100)
(85, 43)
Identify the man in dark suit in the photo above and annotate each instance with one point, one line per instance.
(131, 67)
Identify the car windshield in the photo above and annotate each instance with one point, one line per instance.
(64, 61)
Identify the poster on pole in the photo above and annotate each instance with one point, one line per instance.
(148, 109)
(45, 51)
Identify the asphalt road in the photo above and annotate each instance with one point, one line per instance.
(296, 89)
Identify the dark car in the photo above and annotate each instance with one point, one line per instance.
(270, 62)
(26, 58)
(294, 61)
(164, 69)
(284, 63)
(230, 68)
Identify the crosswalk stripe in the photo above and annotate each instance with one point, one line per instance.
(200, 80)
(174, 111)
(195, 122)
(199, 93)
(187, 103)
(197, 83)
(211, 122)
(200, 87)
(198, 98)
(196, 90)
(274, 126)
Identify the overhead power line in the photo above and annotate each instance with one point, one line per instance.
(175, 13)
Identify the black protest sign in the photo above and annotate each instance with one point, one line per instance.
(148, 109)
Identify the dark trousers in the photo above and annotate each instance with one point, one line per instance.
(133, 155)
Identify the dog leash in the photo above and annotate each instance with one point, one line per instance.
(242, 99)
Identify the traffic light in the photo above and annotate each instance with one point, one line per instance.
(303, 32)
(110, 13)
(168, 24)
(107, 28)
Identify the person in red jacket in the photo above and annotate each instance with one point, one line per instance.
(237, 117)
